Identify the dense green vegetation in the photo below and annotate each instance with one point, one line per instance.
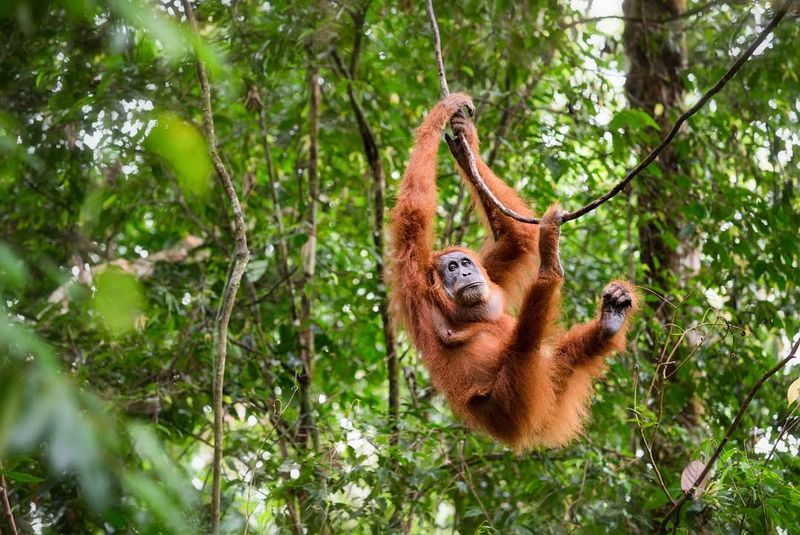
(116, 241)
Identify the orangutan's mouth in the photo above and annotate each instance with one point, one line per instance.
(472, 285)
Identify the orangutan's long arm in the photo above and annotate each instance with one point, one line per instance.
(413, 216)
(542, 304)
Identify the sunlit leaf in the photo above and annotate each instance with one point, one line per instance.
(183, 148)
(256, 269)
(118, 300)
(794, 392)
(170, 35)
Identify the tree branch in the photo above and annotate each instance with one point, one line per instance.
(308, 425)
(379, 182)
(477, 181)
(728, 434)
(241, 256)
(7, 510)
(648, 447)
(283, 249)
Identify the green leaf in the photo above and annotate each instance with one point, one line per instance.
(256, 269)
(635, 119)
(21, 477)
(118, 300)
(183, 148)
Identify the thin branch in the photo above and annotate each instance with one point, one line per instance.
(308, 425)
(283, 249)
(372, 152)
(716, 88)
(647, 446)
(379, 182)
(788, 425)
(477, 181)
(241, 255)
(437, 46)
(574, 505)
(473, 174)
(275, 286)
(7, 510)
(728, 434)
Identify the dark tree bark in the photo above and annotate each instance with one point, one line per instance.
(657, 56)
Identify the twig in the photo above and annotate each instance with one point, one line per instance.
(437, 46)
(467, 478)
(574, 505)
(241, 255)
(283, 249)
(275, 286)
(308, 426)
(647, 446)
(379, 181)
(276, 418)
(12, 525)
(788, 424)
(477, 181)
(739, 415)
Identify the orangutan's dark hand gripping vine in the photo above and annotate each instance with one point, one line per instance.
(523, 380)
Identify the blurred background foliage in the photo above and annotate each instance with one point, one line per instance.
(115, 243)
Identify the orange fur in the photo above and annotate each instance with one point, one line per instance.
(523, 380)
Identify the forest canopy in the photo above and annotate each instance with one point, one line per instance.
(194, 324)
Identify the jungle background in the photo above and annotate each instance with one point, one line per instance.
(117, 239)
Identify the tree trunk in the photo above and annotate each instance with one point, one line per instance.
(657, 56)
(308, 428)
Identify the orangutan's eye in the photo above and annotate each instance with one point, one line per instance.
(452, 266)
